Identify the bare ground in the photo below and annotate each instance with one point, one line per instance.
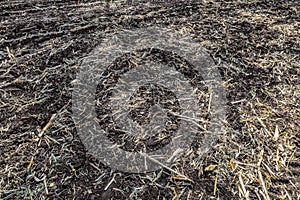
(42, 156)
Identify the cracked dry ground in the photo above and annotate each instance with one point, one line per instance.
(257, 43)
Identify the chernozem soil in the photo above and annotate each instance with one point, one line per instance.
(256, 44)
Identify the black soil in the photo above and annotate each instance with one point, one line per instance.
(256, 44)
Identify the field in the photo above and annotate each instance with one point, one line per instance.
(255, 43)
